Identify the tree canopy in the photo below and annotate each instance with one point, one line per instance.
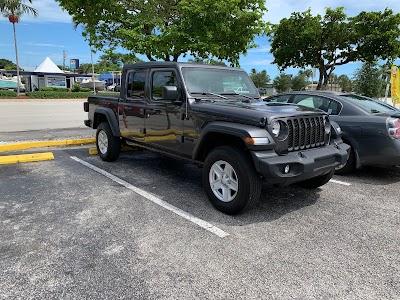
(345, 83)
(368, 80)
(260, 79)
(169, 29)
(7, 64)
(299, 82)
(282, 83)
(334, 39)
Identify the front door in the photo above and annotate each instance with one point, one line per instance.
(131, 110)
(164, 118)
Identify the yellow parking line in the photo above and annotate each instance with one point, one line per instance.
(13, 159)
(28, 145)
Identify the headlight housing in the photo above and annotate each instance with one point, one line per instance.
(279, 129)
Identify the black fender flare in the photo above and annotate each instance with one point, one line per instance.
(235, 129)
(111, 118)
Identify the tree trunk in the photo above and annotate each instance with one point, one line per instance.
(321, 77)
(16, 57)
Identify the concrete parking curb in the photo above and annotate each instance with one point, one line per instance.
(22, 158)
(49, 143)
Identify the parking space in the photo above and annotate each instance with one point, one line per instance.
(69, 231)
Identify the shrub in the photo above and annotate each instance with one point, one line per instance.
(86, 90)
(53, 89)
(8, 94)
(77, 87)
(57, 95)
(46, 89)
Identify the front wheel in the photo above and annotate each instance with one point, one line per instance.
(108, 145)
(316, 182)
(230, 180)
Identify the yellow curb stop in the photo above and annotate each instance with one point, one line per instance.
(13, 159)
(28, 145)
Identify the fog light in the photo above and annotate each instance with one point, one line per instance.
(287, 169)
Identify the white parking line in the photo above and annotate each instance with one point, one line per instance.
(340, 182)
(207, 226)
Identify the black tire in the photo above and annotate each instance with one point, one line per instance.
(316, 182)
(350, 165)
(110, 148)
(248, 180)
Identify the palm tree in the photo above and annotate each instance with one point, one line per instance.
(13, 10)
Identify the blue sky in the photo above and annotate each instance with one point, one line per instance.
(53, 32)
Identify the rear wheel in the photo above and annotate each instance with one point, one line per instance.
(108, 146)
(350, 165)
(230, 180)
(316, 182)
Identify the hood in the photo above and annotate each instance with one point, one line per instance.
(253, 112)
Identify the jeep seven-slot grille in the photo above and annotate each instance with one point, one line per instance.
(305, 132)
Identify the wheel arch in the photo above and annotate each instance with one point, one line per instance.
(105, 114)
(218, 134)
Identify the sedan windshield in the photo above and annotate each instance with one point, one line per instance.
(218, 81)
(370, 105)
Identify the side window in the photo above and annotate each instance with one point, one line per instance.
(334, 108)
(313, 102)
(283, 98)
(304, 100)
(136, 83)
(160, 79)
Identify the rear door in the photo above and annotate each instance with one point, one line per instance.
(132, 106)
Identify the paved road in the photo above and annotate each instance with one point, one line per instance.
(68, 232)
(17, 116)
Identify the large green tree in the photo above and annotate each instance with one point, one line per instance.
(299, 82)
(282, 83)
(13, 10)
(334, 39)
(368, 80)
(345, 83)
(4, 63)
(260, 79)
(169, 29)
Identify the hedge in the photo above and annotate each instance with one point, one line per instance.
(58, 95)
(8, 94)
(53, 89)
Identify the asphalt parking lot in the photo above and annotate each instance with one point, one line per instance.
(70, 232)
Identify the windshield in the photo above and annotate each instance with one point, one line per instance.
(218, 81)
(371, 105)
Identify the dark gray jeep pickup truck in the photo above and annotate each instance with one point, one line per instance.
(213, 116)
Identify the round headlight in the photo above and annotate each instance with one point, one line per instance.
(276, 128)
(327, 124)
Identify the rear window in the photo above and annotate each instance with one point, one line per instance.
(370, 105)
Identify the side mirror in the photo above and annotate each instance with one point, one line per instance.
(170, 93)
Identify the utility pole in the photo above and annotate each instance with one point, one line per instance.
(64, 58)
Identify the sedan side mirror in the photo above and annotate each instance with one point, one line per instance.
(170, 93)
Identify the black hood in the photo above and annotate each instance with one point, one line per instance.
(253, 112)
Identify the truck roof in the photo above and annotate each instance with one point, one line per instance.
(173, 64)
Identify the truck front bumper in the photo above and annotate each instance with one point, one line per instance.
(300, 165)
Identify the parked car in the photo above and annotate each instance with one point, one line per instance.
(371, 127)
(183, 111)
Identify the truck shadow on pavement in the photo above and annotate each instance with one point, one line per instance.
(180, 184)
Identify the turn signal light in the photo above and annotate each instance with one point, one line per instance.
(86, 106)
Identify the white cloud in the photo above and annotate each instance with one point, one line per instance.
(49, 11)
(260, 49)
(261, 62)
(45, 45)
(278, 10)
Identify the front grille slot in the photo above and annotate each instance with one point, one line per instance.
(305, 132)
